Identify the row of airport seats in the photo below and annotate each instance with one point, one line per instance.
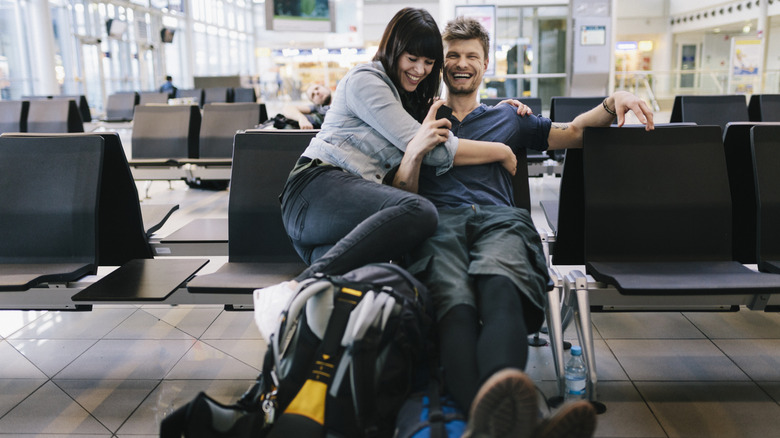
(73, 207)
(655, 207)
(80, 99)
(172, 142)
(665, 220)
(120, 106)
(722, 109)
(40, 115)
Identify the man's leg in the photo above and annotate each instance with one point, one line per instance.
(457, 332)
(503, 341)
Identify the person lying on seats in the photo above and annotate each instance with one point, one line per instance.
(310, 116)
(484, 265)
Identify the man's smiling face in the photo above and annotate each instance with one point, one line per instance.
(464, 65)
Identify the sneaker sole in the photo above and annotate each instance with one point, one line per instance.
(505, 406)
(573, 420)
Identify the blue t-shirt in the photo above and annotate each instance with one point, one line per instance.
(485, 184)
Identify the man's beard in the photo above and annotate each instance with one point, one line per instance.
(465, 89)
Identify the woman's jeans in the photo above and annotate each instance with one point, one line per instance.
(338, 221)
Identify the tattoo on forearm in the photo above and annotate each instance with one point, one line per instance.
(402, 183)
(561, 126)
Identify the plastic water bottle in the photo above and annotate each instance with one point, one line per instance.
(576, 375)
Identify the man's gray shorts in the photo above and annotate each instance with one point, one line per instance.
(476, 240)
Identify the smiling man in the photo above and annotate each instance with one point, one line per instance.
(485, 266)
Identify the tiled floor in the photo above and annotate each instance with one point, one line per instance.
(118, 370)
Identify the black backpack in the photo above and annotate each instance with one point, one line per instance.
(347, 352)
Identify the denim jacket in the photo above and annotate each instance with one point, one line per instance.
(367, 129)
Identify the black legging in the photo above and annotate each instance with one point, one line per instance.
(470, 354)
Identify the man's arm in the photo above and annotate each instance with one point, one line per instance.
(298, 113)
(569, 135)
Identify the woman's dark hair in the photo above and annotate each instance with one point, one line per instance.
(414, 31)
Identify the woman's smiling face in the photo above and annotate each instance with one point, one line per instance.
(412, 70)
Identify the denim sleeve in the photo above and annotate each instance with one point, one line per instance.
(372, 99)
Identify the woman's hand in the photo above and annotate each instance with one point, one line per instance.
(522, 109)
(431, 133)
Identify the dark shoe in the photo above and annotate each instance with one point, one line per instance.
(504, 407)
(573, 420)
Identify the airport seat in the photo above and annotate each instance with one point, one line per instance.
(124, 227)
(147, 97)
(165, 132)
(765, 142)
(739, 162)
(657, 214)
(81, 103)
(217, 95)
(13, 115)
(49, 191)
(564, 109)
(242, 94)
(764, 108)
(709, 110)
(54, 116)
(220, 123)
(259, 252)
(120, 107)
(195, 93)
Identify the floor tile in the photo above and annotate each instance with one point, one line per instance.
(712, 409)
(56, 435)
(142, 325)
(737, 325)
(248, 351)
(203, 361)
(13, 391)
(758, 358)
(172, 394)
(642, 325)
(674, 360)
(127, 359)
(542, 367)
(51, 355)
(50, 411)
(627, 414)
(13, 320)
(74, 325)
(110, 401)
(193, 320)
(233, 325)
(15, 365)
(771, 388)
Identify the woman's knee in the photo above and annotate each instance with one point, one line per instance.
(424, 215)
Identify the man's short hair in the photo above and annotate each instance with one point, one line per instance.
(467, 28)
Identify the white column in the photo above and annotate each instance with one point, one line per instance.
(763, 35)
(41, 39)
